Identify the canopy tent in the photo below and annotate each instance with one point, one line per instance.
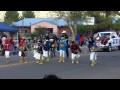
(6, 28)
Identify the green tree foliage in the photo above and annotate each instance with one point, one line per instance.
(103, 19)
(83, 29)
(116, 26)
(28, 14)
(72, 18)
(11, 16)
(38, 32)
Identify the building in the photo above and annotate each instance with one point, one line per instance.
(31, 25)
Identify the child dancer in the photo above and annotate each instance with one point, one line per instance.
(39, 54)
(62, 47)
(93, 54)
(46, 49)
(22, 51)
(74, 49)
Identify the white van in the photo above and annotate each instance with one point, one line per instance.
(107, 40)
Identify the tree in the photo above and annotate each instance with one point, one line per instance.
(116, 25)
(72, 18)
(11, 16)
(38, 32)
(83, 29)
(28, 14)
(110, 13)
(103, 19)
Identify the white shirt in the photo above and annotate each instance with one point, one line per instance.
(3, 40)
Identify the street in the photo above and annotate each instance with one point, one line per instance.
(108, 67)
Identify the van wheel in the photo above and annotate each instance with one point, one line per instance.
(109, 48)
(118, 47)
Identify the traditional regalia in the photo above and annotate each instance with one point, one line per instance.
(6, 47)
(46, 50)
(62, 48)
(52, 46)
(74, 52)
(93, 54)
(38, 53)
(22, 51)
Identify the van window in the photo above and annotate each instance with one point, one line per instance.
(105, 34)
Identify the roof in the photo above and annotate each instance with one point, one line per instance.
(6, 28)
(27, 22)
(31, 21)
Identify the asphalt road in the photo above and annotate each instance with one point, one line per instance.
(108, 67)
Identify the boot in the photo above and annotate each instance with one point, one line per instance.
(41, 62)
(7, 60)
(25, 60)
(21, 61)
(92, 64)
(60, 59)
(37, 61)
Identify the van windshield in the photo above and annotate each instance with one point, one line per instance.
(104, 34)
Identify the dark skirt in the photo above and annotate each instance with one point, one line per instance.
(24, 54)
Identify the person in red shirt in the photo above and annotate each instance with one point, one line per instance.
(74, 52)
(82, 38)
(6, 47)
(22, 51)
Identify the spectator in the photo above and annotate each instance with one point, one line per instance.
(77, 39)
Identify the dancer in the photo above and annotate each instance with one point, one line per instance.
(93, 54)
(6, 47)
(74, 49)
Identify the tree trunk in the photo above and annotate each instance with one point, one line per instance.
(73, 36)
